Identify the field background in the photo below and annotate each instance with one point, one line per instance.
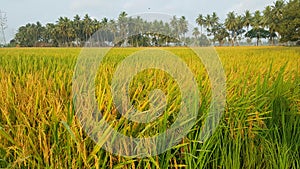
(259, 129)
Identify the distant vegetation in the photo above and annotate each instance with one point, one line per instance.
(277, 23)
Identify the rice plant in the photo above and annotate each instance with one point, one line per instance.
(259, 128)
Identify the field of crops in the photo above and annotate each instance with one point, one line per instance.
(260, 127)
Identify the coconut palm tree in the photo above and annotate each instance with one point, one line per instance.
(50, 34)
(200, 21)
(26, 35)
(257, 24)
(196, 34)
(289, 23)
(231, 25)
(175, 27)
(77, 25)
(167, 31)
(277, 8)
(112, 26)
(65, 29)
(277, 12)
(208, 21)
(123, 25)
(183, 27)
(239, 27)
(87, 27)
(214, 19)
(247, 18)
(268, 22)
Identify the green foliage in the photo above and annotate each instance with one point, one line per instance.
(290, 23)
(126, 31)
(258, 33)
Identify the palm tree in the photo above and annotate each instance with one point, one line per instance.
(175, 27)
(140, 30)
(77, 25)
(208, 21)
(39, 29)
(135, 30)
(183, 27)
(26, 35)
(123, 24)
(168, 33)
(256, 24)
(247, 18)
(214, 25)
(65, 29)
(277, 12)
(268, 22)
(112, 25)
(214, 19)
(257, 20)
(138, 25)
(51, 35)
(96, 27)
(200, 21)
(156, 31)
(277, 8)
(239, 27)
(288, 23)
(87, 27)
(196, 34)
(231, 25)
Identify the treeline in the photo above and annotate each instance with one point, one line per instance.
(125, 31)
(278, 23)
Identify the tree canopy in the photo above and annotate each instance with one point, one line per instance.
(280, 22)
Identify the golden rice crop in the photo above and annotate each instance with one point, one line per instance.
(259, 128)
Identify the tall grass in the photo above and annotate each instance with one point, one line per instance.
(259, 128)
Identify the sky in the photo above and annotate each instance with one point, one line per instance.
(21, 12)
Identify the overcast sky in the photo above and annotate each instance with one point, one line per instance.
(21, 12)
